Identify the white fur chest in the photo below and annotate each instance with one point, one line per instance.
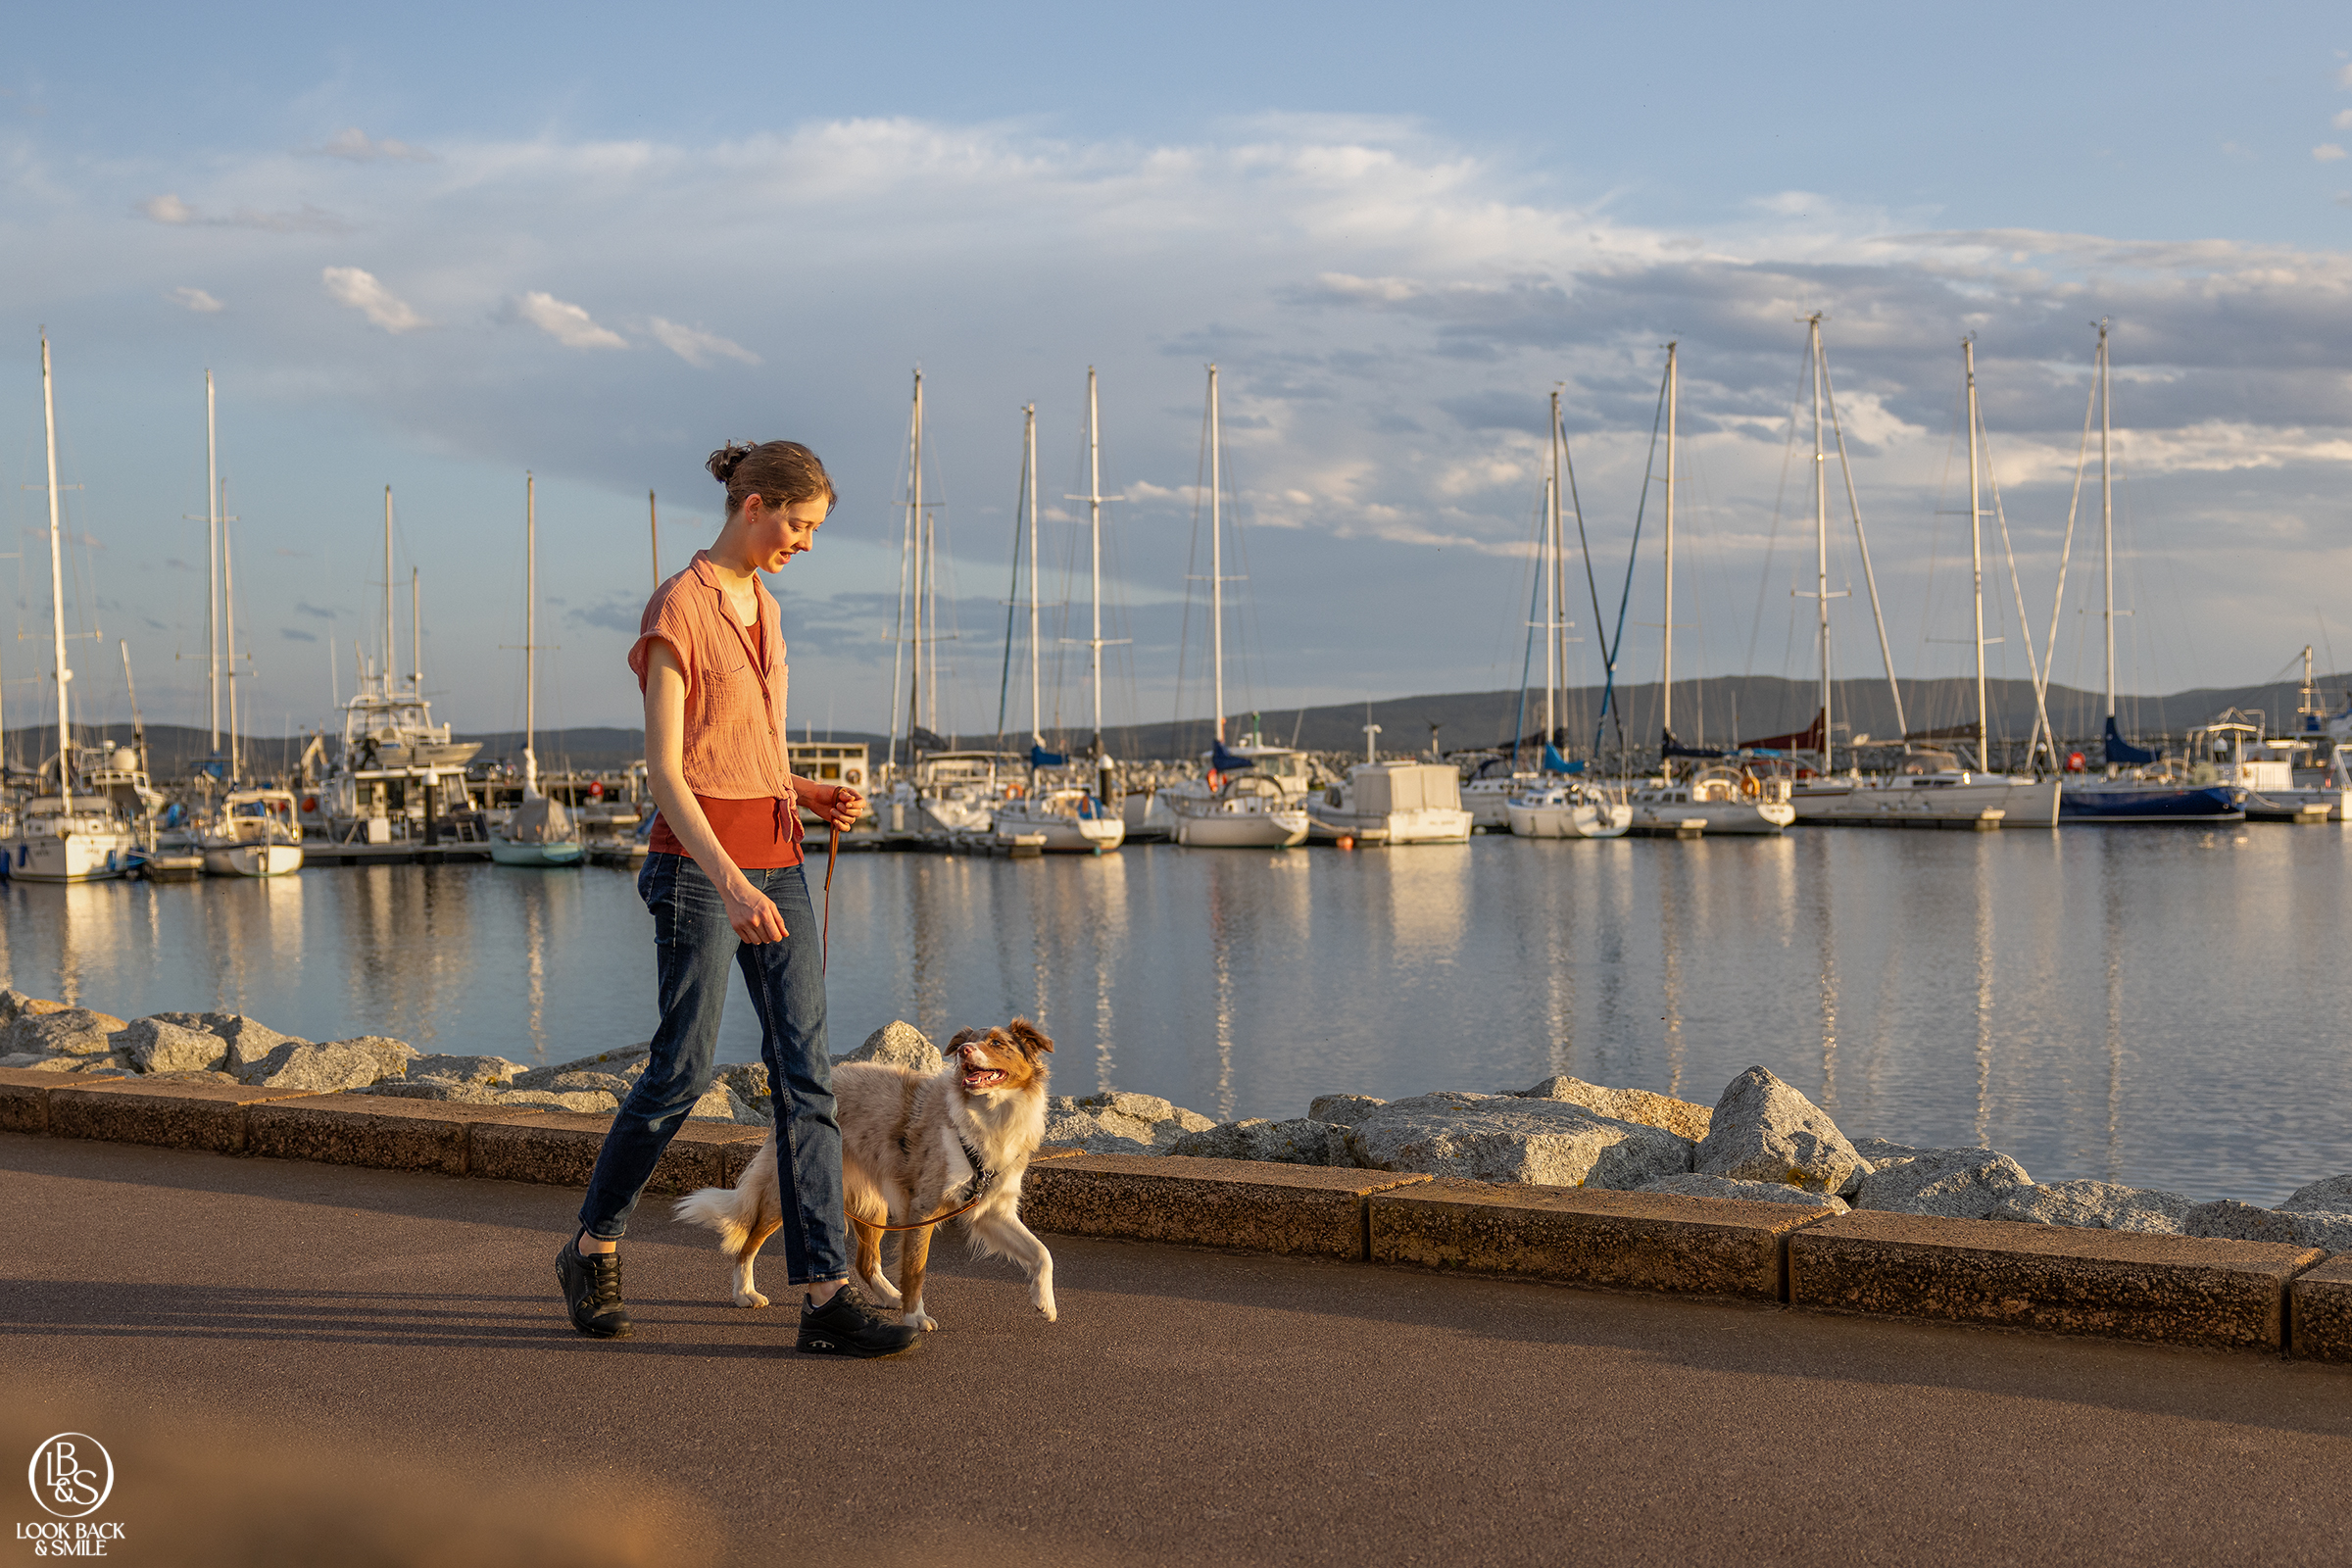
(960, 1167)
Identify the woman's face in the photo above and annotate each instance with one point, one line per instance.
(774, 534)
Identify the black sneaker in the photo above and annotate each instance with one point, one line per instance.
(591, 1284)
(850, 1325)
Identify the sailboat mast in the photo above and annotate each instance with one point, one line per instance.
(1036, 728)
(1821, 543)
(228, 626)
(898, 632)
(1093, 518)
(1976, 551)
(1216, 558)
(1673, 396)
(387, 669)
(920, 689)
(211, 568)
(57, 591)
(530, 633)
(1547, 562)
(2107, 510)
(653, 517)
(416, 636)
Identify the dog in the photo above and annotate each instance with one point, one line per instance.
(908, 1146)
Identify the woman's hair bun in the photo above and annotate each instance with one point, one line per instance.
(726, 460)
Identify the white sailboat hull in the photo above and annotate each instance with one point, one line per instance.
(252, 858)
(79, 855)
(1712, 817)
(1242, 830)
(1063, 835)
(1583, 819)
(1931, 801)
(1424, 825)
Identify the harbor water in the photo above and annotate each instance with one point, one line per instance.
(2158, 1007)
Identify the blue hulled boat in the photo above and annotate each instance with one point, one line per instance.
(2146, 800)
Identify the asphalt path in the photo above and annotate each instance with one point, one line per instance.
(1190, 1407)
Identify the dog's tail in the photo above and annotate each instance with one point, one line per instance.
(724, 1210)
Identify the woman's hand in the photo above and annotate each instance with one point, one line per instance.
(846, 806)
(751, 912)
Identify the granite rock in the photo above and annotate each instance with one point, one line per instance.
(1113, 1134)
(1692, 1184)
(746, 1081)
(610, 1082)
(443, 1088)
(2243, 1222)
(1345, 1110)
(1302, 1142)
(464, 1070)
(34, 1062)
(15, 1005)
(2330, 1196)
(322, 1069)
(1502, 1138)
(1952, 1183)
(1880, 1154)
(160, 1046)
(583, 1101)
(899, 1043)
(1764, 1131)
(1682, 1117)
(393, 1055)
(249, 1044)
(626, 1062)
(2094, 1206)
(66, 1032)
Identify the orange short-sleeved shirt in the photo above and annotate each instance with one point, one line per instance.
(736, 682)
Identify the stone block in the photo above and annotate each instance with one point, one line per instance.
(2321, 1305)
(1509, 1137)
(376, 1130)
(1298, 1209)
(1724, 1247)
(161, 1045)
(1682, 1117)
(1763, 1130)
(66, 1032)
(24, 1099)
(557, 1149)
(2174, 1289)
(1303, 1142)
(167, 1115)
(1345, 1110)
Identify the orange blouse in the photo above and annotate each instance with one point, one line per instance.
(736, 681)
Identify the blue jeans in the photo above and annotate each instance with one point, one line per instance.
(692, 943)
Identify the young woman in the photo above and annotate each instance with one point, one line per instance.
(725, 883)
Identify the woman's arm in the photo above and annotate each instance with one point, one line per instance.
(749, 911)
(837, 804)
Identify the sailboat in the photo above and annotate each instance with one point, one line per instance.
(1069, 820)
(1932, 787)
(2142, 795)
(65, 837)
(1714, 798)
(539, 832)
(1251, 795)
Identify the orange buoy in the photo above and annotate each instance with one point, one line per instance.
(1346, 842)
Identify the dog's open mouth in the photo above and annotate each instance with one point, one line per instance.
(979, 1078)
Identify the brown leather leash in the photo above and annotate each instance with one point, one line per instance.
(824, 935)
(926, 1224)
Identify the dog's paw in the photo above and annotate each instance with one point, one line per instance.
(921, 1320)
(1043, 1300)
(750, 1298)
(884, 1291)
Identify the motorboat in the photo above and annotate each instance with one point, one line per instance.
(255, 834)
(1567, 811)
(1391, 803)
(1070, 820)
(948, 792)
(1720, 799)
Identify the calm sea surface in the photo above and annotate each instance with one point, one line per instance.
(2161, 1007)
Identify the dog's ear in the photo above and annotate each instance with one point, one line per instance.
(962, 1035)
(1029, 1038)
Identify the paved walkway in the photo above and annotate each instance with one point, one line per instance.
(1190, 1406)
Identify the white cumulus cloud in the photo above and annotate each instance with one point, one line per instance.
(359, 289)
(2326, 152)
(698, 348)
(568, 325)
(197, 300)
(168, 209)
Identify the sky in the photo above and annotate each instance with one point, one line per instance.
(442, 248)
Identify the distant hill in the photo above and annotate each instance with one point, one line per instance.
(1712, 712)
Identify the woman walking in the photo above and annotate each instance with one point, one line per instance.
(724, 882)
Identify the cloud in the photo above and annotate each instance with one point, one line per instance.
(316, 610)
(568, 324)
(359, 289)
(304, 219)
(197, 300)
(295, 634)
(2326, 152)
(355, 146)
(698, 348)
(2343, 119)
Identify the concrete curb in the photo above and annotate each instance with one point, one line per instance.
(2106, 1284)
